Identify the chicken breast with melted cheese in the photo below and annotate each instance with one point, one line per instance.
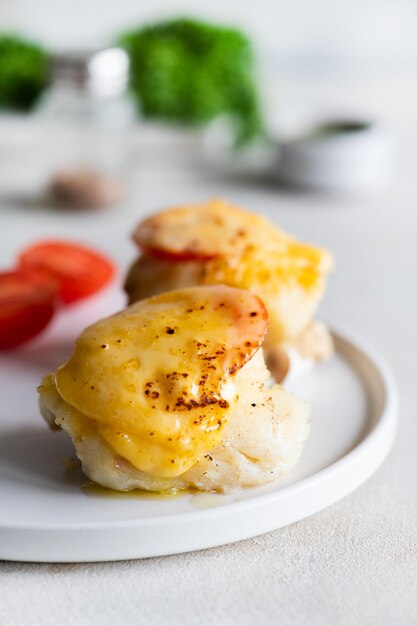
(173, 393)
(218, 243)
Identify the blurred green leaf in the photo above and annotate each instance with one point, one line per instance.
(190, 71)
(23, 72)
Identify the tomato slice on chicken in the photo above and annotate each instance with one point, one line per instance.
(27, 304)
(78, 270)
(216, 230)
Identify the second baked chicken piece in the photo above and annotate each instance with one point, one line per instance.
(218, 243)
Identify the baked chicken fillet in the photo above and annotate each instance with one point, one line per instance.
(173, 392)
(217, 243)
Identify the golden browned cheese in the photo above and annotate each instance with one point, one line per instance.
(157, 380)
(218, 243)
(217, 228)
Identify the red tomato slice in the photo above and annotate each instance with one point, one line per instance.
(183, 256)
(79, 271)
(27, 304)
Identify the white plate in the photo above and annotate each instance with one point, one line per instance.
(46, 516)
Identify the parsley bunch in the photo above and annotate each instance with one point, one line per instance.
(190, 72)
(23, 72)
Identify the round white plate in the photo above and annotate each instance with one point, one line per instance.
(46, 516)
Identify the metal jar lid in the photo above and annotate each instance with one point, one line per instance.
(102, 73)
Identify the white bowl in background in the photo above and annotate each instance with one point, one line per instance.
(338, 155)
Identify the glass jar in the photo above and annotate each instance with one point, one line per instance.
(87, 116)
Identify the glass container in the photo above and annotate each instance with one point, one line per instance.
(87, 116)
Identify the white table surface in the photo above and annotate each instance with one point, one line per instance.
(356, 562)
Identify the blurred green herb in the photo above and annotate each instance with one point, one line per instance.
(23, 72)
(191, 72)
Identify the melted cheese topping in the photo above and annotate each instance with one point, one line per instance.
(157, 380)
(216, 229)
(217, 243)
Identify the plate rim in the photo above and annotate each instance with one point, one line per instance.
(375, 444)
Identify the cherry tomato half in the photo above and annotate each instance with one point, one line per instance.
(79, 271)
(27, 304)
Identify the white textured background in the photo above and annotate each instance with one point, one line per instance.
(331, 32)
